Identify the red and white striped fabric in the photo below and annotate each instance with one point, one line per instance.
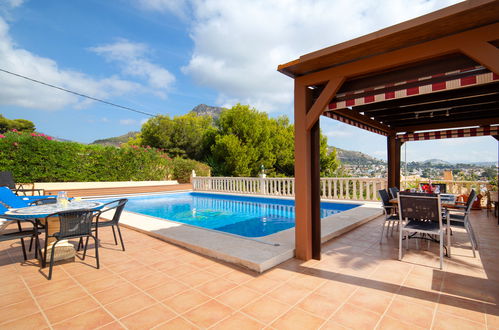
(453, 133)
(446, 81)
(353, 123)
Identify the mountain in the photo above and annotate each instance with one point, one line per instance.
(356, 157)
(436, 162)
(117, 140)
(206, 110)
(200, 110)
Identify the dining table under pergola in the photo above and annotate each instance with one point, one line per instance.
(432, 77)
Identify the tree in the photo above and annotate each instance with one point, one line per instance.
(181, 136)
(17, 124)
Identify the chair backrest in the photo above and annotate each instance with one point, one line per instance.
(394, 191)
(7, 180)
(73, 223)
(117, 205)
(471, 199)
(385, 198)
(420, 207)
(11, 199)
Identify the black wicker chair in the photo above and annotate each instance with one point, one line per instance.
(420, 214)
(72, 224)
(459, 217)
(6, 179)
(117, 205)
(391, 216)
(20, 233)
(394, 192)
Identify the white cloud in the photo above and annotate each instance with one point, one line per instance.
(177, 7)
(127, 121)
(20, 92)
(238, 44)
(132, 58)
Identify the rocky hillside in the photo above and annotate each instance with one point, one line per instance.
(356, 157)
(206, 110)
(117, 140)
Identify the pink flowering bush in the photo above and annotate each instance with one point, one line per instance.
(34, 157)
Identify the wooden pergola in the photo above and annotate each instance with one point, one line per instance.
(432, 77)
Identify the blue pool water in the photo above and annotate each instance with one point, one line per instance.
(246, 216)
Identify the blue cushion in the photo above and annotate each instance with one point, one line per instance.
(11, 199)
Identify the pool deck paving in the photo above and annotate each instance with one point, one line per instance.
(258, 254)
(357, 284)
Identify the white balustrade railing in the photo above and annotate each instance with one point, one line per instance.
(331, 188)
(362, 189)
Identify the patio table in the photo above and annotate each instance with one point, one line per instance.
(39, 212)
(448, 201)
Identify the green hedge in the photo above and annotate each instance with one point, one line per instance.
(33, 157)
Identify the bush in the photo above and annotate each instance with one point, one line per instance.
(33, 157)
(182, 169)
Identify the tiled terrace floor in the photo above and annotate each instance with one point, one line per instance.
(358, 284)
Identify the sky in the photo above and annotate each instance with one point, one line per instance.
(167, 56)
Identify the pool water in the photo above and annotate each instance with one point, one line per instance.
(240, 215)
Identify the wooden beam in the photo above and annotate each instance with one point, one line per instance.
(405, 56)
(354, 115)
(393, 146)
(323, 100)
(484, 53)
(454, 124)
(306, 180)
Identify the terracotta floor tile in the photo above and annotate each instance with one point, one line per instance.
(216, 287)
(89, 320)
(197, 278)
(18, 310)
(104, 283)
(186, 300)
(14, 297)
(266, 309)
(219, 269)
(208, 314)
(181, 270)
(262, 284)
(116, 293)
(356, 318)
(389, 323)
(67, 310)
(240, 276)
(444, 321)
(492, 316)
(129, 305)
(94, 275)
(112, 326)
(166, 290)
(369, 300)
(462, 307)
(148, 317)
(56, 298)
(289, 293)
(298, 319)
(33, 321)
(420, 315)
(152, 280)
(238, 297)
(175, 324)
(319, 305)
(50, 287)
(336, 290)
(238, 321)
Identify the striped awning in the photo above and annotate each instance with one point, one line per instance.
(348, 121)
(473, 76)
(447, 134)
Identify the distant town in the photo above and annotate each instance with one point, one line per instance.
(358, 164)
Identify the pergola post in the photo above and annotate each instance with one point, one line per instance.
(307, 178)
(393, 161)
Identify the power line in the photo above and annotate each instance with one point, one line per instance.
(79, 94)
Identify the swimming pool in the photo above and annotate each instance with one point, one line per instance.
(240, 215)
